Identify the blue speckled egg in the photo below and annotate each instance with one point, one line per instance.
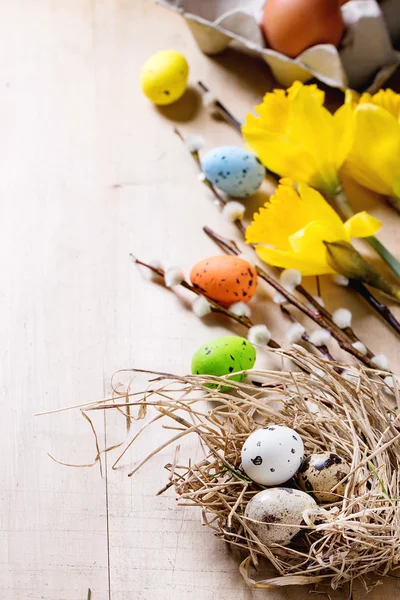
(235, 171)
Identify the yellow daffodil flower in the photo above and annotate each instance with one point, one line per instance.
(290, 231)
(295, 136)
(374, 160)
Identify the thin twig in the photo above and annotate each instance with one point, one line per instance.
(378, 306)
(220, 199)
(318, 286)
(223, 110)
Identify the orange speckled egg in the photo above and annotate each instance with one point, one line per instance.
(225, 279)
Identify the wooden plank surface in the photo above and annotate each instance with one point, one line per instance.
(90, 171)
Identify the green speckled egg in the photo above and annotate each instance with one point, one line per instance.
(224, 355)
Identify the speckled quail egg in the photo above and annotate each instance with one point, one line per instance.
(272, 455)
(277, 505)
(320, 472)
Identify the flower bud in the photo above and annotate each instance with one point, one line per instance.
(345, 259)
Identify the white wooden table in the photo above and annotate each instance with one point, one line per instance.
(91, 171)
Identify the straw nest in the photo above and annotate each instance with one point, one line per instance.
(352, 416)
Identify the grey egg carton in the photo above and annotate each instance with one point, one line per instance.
(365, 59)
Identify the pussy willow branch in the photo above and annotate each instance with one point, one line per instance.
(379, 307)
(349, 331)
(323, 349)
(315, 316)
(222, 109)
(215, 307)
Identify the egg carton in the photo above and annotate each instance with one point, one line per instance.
(365, 59)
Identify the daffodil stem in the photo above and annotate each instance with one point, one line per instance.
(318, 316)
(345, 210)
(222, 108)
(215, 306)
(342, 205)
(379, 307)
(384, 253)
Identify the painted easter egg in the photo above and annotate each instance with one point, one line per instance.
(320, 472)
(225, 279)
(224, 355)
(164, 77)
(235, 171)
(277, 505)
(272, 455)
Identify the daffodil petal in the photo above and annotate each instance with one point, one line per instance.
(295, 136)
(362, 225)
(374, 158)
(274, 112)
(312, 126)
(309, 244)
(283, 215)
(312, 90)
(387, 99)
(316, 208)
(278, 153)
(351, 98)
(292, 227)
(343, 122)
(289, 260)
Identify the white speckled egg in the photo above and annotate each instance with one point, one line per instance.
(274, 506)
(320, 472)
(272, 455)
(235, 171)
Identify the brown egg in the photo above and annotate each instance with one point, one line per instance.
(292, 26)
(225, 279)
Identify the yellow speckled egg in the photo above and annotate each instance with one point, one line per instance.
(164, 77)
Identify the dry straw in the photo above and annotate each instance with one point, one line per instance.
(350, 415)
